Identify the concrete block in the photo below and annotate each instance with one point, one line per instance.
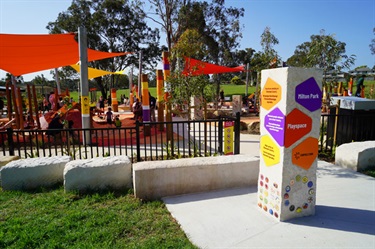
(98, 173)
(157, 179)
(357, 155)
(32, 173)
(6, 159)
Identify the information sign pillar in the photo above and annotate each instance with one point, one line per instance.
(290, 117)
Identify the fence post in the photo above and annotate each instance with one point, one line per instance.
(237, 129)
(220, 136)
(138, 140)
(10, 141)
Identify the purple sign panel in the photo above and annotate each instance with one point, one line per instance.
(274, 122)
(309, 95)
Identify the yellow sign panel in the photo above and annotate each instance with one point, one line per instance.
(85, 105)
(228, 137)
(269, 150)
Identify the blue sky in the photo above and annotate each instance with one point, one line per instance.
(291, 21)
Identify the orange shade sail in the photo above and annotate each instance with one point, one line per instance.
(23, 54)
(195, 67)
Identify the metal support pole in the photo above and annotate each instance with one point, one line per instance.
(84, 84)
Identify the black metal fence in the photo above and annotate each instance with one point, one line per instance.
(150, 141)
(345, 126)
(141, 142)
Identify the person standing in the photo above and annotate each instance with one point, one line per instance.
(101, 103)
(109, 115)
(222, 97)
(152, 107)
(51, 99)
(45, 105)
(1, 107)
(359, 85)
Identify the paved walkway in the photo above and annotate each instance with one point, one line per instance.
(344, 214)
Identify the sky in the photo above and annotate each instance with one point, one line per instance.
(292, 22)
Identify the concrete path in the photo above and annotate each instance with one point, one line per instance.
(344, 217)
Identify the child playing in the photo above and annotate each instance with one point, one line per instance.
(117, 122)
(109, 115)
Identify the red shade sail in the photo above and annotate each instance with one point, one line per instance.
(23, 54)
(195, 67)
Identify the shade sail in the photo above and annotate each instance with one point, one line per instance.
(23, 54)
(195, 67)
(93, 72)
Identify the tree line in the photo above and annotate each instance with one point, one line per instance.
(208, 31)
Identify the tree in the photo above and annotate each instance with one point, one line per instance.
(323, 51)
(217, 25)
(113, 26)
(268, 41)
(372, 44)
(183, 87)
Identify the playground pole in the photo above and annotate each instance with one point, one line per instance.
(145, 105)
(247, 80)
(9, 102)
(160, 94)
(167, 96)
(131, 95)
(57, 81)
(30, 103)
(36, 107)
(140, 76)
(84, 84)
(114, 100)
(17, 104)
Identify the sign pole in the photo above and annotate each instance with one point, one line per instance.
(84, 84)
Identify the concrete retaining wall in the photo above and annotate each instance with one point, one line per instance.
(98, 173)
(32, 173)
(357, 155)
(157, 179)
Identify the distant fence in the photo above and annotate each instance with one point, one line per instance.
(141, 142)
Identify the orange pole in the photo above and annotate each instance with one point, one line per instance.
(160, 93)
(168, 107)
(36, 107)
(16, 114)
(350, 90)
(29, 104)
(19, 105)
(114, 100)
(9, 101)
(363, 92)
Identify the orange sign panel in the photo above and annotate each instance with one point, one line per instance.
(304, 154)
(271, 94)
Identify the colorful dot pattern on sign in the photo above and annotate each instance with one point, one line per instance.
(270, 195)
(299, 182)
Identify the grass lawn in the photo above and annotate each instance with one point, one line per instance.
(54, 219)
(229, 90)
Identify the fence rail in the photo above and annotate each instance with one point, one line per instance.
(189, 139)
(141, 142)
(345, 127)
